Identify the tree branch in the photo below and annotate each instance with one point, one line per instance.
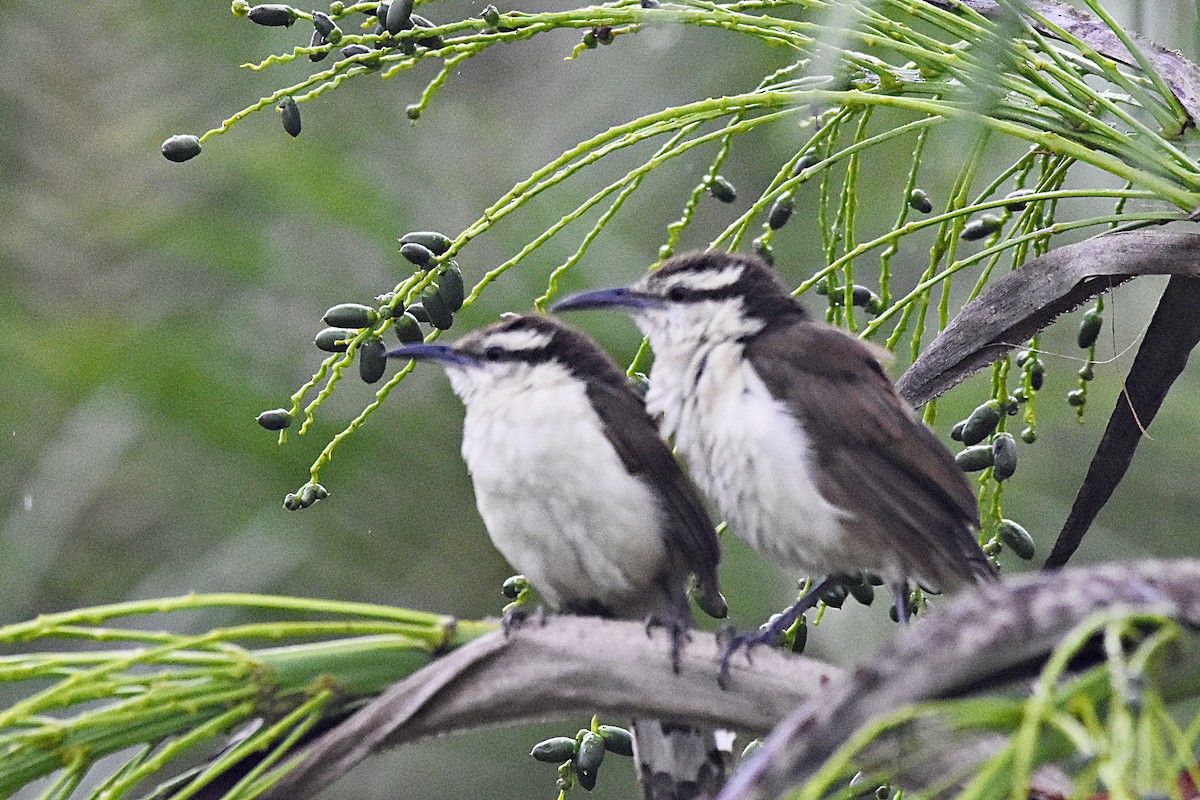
(1000, 634)
(1170, 339)
(1026, 300)
(569, 666)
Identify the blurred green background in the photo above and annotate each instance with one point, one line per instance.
(153, 309)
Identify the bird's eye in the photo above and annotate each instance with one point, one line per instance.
(676, 293)
(494, 352)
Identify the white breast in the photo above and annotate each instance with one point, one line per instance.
(555, 497)
(752, 457)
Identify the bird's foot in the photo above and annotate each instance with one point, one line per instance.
(677, 629)
(772, 632)
(516, 615)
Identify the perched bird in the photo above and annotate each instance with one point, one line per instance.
(580, 494)
(795, 431)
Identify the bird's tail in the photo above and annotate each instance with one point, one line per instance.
(679, 762)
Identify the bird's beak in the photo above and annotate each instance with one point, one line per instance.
(442, 353)
(623, 297)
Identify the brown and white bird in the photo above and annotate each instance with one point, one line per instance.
(795, 431)
(579, 493)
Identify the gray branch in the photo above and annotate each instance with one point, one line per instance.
(570, 666)
(996, 636)
(1026, 300)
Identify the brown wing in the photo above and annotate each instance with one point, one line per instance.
(877, 460)
(689, 529)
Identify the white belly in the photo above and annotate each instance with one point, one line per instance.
(557, 501)
(754, 461)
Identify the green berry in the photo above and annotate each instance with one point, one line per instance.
(1029, 436)
(807, 160)
(588, 759)
(181, 147)
(1077, 398)
(1089, 329)
(413, 112)
(1037, 374)
(1004, 456)
(491, 16)
(350, 315)
(863, 592)
(1016, 539)
(555, 750)
(317, 40)
(325, 26)
(334, 340)
(398, 16)
(372, 360)
(513, 586)
(272, 14)
(617, 740)
(957, 431)
(982, 227)
(981, 423)
(290, 115)
(418, 254)
(434, 242)
(408, 330)
(451, 288)
(781, 212)
(919, 201)
(799, 637)
(973, 459)
(440, 315)
(720, 188)
(1016, 196)
(763, 249)
(417, 311)
(276, 419)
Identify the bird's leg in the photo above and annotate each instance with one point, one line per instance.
(770, 633)
(677, 629)
(900, 596)
(516, 615)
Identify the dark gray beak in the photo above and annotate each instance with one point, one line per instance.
(443, 353)
(622, 297)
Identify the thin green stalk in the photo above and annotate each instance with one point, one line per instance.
(629, 188)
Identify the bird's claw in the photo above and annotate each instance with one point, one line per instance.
(678, 631)
(731, 641)
(515, 616)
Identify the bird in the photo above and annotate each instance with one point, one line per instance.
(797, 434)
(578, 492)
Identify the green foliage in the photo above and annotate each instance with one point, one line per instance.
(1110, 728)
(152, 687)
(860, 76)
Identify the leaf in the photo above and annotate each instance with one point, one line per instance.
(1173, 333)
(1014, 308)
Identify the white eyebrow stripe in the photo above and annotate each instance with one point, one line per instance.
(518, 340)
(707, 280)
